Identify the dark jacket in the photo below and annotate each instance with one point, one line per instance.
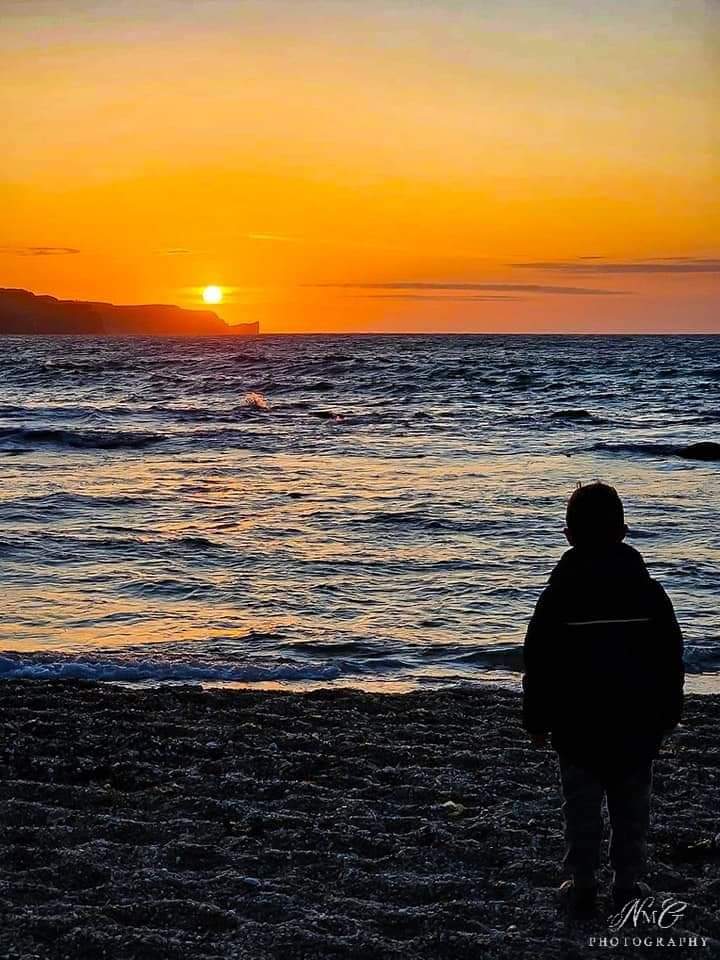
(603, 668)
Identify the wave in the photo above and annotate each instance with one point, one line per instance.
(143, 670)
(14, 410)
(62, 500)
(79, 439)
(700, 656)
(706, 450)
(576, 416)
(51, 547)
(67, 411)
(328, 415)
(704, 416)
(256, 401)
(636, 534)
(445, 663)
(418, 519)
(507, 656)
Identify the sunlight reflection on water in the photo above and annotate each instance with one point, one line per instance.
(403, 544)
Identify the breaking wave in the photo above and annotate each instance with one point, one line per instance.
(447, 664)
(59, 667)
(702, 656)
(705, 451)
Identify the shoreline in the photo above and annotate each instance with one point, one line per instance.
(696, 683)
(185, 822)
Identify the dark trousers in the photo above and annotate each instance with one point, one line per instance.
(627, 793)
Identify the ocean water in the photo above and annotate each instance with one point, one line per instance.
(374, 510)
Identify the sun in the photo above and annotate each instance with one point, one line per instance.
(212, 294)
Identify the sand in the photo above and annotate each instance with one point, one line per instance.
(185, 823)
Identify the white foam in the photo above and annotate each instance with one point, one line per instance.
(139, 670)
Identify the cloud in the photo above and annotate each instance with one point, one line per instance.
(589, 266)
(273, 238)
(39, 251)
(437, 297)
(421, 285)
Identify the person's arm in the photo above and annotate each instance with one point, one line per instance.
(672, 669)
(537, 673)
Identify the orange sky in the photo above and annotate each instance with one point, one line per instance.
(340, 165)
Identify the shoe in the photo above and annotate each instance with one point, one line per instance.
(625, 894)
(578, 899)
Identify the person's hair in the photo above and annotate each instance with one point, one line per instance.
(595, 514)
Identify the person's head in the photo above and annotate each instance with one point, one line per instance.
(595, 516)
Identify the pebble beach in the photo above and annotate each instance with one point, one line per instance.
(179, 822)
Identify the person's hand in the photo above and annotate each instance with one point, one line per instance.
(539, 740)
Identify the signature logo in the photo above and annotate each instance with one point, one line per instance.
(648, 912)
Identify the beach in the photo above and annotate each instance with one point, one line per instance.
(182, 822)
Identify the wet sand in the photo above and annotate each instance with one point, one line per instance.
(183, 823)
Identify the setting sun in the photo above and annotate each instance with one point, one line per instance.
(212, 294)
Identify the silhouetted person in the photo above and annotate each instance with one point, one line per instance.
(604, 679)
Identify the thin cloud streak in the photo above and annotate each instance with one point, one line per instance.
(438, 298)
(543, 288)
(589, 266)
(273, 238)
(39, 251)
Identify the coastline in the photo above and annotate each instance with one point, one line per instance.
(181, 822)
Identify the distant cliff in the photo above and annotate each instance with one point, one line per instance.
(22, 312)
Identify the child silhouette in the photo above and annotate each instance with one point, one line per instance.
(603, 678)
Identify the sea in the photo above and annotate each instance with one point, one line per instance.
(374, 511)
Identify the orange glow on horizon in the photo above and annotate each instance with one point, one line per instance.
(318, 157)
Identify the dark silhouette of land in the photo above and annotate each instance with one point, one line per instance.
(22, 312)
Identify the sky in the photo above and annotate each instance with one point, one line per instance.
(368, 165)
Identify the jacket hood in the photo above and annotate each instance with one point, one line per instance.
(614, 562)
